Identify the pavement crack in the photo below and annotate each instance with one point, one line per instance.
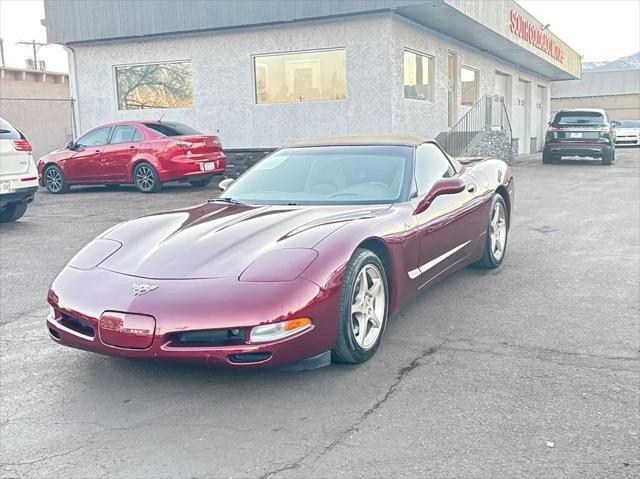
(532, 352)
(400, 376)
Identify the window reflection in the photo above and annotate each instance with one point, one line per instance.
(154, 85)
(470, 84)
(418, 76)
(297, 77)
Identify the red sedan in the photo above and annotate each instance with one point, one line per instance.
(304, 256)
(144, 153)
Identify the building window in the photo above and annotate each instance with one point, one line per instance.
(155, 85)
(470, 80)
(418, 76)
(296, 77)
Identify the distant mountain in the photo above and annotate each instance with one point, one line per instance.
(632, 62)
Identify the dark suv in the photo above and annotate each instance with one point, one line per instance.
(580, 132)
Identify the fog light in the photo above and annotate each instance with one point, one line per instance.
(275, 331)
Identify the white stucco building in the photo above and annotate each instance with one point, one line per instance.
(263, 73)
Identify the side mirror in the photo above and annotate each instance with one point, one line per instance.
(71, 145)
(615, 124)
(445, 186)
(224, 184)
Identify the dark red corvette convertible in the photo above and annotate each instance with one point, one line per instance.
(304, 256)
(145, 153)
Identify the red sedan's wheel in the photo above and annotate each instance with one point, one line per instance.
(146, 178)
(497, 232)
(363, 308)
(54, 180)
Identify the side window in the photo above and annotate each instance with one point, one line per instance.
(125, 134)
(431, 165)
(95, 138)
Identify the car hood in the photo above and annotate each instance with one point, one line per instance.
(220, 240)
(55, 155)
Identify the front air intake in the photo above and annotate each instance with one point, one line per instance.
(249, 357)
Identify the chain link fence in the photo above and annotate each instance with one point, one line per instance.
(48, 123)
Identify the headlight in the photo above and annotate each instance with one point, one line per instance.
(279, 330)
(94, 253)
(279, 265)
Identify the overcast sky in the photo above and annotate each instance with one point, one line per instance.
(597, 29)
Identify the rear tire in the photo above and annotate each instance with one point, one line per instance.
(547, 158)
(364, 300)
(201, 183)
(608, 157)
(13, 212)
(497, 234)
(54, 180)
(146, 178)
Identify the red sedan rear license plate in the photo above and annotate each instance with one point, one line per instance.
(208, 166)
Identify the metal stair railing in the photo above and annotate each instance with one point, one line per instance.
(488, 114)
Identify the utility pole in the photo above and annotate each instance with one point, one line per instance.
(36, 46)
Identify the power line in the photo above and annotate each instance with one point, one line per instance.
(36, 46)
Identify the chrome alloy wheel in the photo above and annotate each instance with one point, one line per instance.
(144, 177)
(53, 180)
(498, 231)
(368, 306)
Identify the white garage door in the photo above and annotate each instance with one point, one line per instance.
(520, 110)
(540, 116)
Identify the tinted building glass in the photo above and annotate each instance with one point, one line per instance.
(418, 76)
(298, 77)
(469, 79)
(155, 85)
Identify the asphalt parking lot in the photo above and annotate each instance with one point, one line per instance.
(531, 370)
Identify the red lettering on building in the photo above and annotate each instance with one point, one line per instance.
(530, 33)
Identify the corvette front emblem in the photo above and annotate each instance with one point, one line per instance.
(142, 288)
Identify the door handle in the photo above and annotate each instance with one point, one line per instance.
(132, 147)
(471, 188)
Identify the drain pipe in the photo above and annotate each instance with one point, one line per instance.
(73, 90)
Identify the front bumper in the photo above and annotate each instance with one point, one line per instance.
(628, 140)
(81, 298)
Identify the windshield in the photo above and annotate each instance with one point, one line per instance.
(629, 124)
(326, 175)
(579, 118)
(172, 129)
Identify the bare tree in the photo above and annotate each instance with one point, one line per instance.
(167, 85)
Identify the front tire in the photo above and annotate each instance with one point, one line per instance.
(146, 178)
(13, 212)
(363, 308)
(497, 234)
(54, 180)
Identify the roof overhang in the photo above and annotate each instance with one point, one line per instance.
(506, 31)
(500, 27)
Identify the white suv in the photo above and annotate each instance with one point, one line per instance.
(18, 173)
